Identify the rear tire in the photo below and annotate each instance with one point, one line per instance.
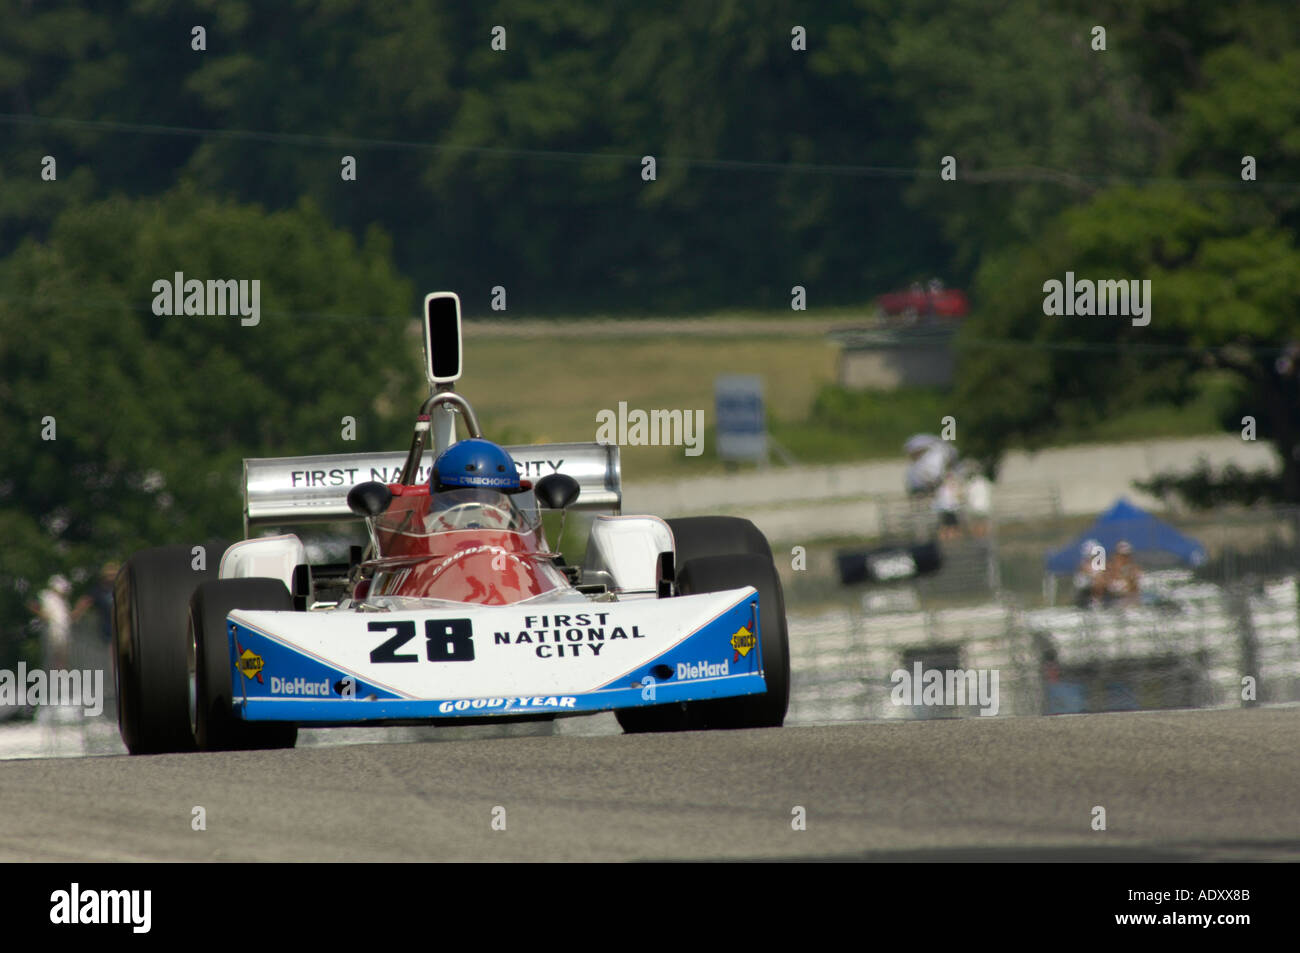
(212, 719)
(150, 601)
(714, 554)
(699, 536)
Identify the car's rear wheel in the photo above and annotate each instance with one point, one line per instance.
(150, 601)
(715, 554)
(210, 665)
(699, 536)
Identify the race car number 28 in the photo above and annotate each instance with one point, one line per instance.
(446, 640)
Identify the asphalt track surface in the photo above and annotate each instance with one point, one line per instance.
(1185, 785)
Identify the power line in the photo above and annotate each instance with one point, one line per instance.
(1020, 174)
(551, 155)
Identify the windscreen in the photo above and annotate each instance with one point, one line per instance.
(468, 508)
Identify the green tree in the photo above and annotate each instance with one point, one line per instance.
(1015, 94)
(153, 414)
(1221, 255)
(1225, 296)
(518, 168)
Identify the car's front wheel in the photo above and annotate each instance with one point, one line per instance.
(210, 664)
(715, 554)
(150, 599)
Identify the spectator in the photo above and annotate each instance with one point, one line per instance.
(1122, 581)
(931, 459)
(947, 504)
(51, 607)
(979, 501)
(1088, 576)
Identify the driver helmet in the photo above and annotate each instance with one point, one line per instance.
(474, 462)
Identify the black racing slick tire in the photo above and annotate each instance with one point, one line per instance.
(719, 573)
(699, 536)
(716, 571)
(212, 718)
(151, 598)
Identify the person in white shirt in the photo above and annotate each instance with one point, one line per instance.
(51, 607)
(947, 504)
(930, 458)
(979, 501)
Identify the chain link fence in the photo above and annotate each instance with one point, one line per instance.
(1225, 634)
(50, 730)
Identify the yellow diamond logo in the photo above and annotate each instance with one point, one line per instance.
(250, 664)
(742, 641)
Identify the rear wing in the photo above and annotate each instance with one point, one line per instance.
(279, 491)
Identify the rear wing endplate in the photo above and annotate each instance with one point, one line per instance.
(280, 491)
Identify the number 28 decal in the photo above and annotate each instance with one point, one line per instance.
(446, 640)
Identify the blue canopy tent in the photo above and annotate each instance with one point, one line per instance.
(1154, 542)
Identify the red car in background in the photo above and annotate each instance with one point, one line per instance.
(932, 300)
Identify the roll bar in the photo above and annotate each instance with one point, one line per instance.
(454, 403)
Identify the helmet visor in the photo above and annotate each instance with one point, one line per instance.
(481, 508)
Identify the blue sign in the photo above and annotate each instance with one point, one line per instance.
(741, 417)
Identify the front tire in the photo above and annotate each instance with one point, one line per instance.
(714, 554)
(150, 601)
(717, 574)
(212, 718)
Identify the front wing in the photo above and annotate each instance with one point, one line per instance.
(342, 667)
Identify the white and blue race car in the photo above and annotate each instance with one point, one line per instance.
(458, 610)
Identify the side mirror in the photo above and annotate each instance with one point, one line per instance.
(555, 491)
(442, 337)
(369, 499)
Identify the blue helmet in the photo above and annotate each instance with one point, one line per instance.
(474, 462)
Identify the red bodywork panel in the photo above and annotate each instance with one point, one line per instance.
(488, 566)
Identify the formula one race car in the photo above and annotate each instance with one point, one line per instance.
(457, 611)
